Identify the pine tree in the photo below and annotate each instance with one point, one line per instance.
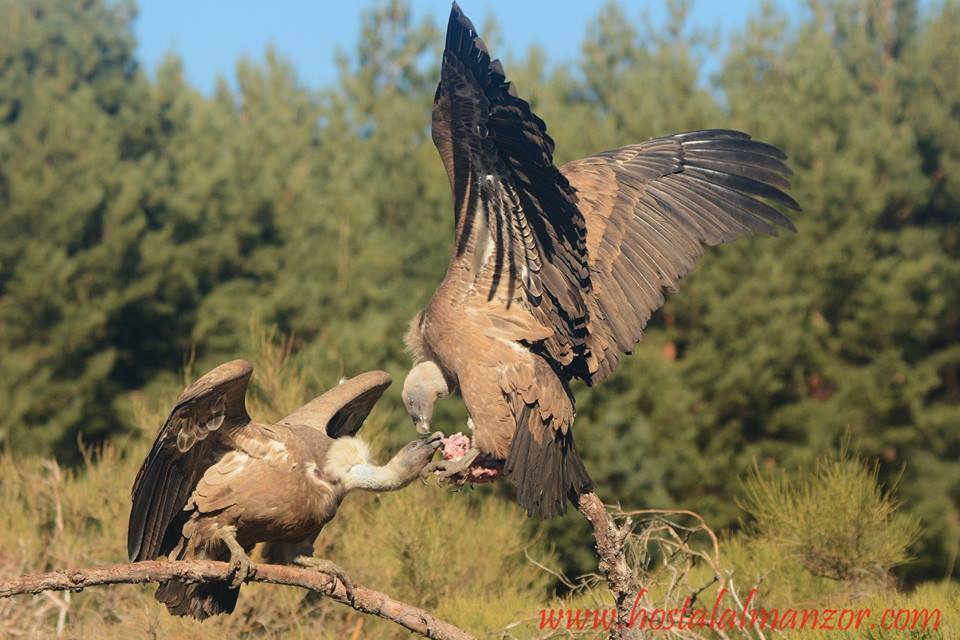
(70, 89)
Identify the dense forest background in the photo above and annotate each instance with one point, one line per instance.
(145, 227)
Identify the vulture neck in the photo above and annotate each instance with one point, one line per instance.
(371, 477)
(349, 461)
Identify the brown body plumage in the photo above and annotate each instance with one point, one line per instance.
(215, 483)
(555, 272)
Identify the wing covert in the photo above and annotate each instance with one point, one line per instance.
(186, 445)
(342, 410)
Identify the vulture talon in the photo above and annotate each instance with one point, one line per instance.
(328, 568)
(241, 566)
(448, 470)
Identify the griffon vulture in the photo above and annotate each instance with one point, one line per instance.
(215, 483)
(555, 271)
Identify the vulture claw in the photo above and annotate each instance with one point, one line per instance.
(241, 568)
(330, 569)
(448, 470)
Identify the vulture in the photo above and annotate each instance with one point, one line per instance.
(216, 483)
(556, 270)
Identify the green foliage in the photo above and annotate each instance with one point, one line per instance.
(930, 603)
(835, 521)
(143, 221)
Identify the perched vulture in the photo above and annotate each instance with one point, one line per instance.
(555, 271)
(215, 483)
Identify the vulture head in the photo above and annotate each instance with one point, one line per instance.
(424, 385)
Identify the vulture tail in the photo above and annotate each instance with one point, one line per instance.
(197, 600)
(546, 473)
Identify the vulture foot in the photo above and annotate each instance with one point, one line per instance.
(452, 471)
(328, 568)
(241, 566)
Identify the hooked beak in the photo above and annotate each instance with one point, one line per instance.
(435, 439)
(422, 424)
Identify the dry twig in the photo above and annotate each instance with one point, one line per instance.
(652, 548)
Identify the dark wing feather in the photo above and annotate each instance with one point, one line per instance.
(189, 441)
(342, 410)
(499, 160)
(650, 208)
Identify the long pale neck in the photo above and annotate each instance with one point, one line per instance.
(372, 477)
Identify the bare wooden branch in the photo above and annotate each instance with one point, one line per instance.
(610, 540)
(364, 600)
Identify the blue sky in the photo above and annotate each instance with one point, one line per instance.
(210, 36)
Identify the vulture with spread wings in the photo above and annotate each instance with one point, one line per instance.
(555, 271)
(216, 483)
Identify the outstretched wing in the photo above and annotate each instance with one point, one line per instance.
(650, 208)
(189, 441)
(517, 221)
(342, 410)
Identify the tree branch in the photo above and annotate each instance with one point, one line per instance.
(364, 600)
(610, 542)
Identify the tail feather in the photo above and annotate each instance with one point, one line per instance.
(546, 473)
(198, 600)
